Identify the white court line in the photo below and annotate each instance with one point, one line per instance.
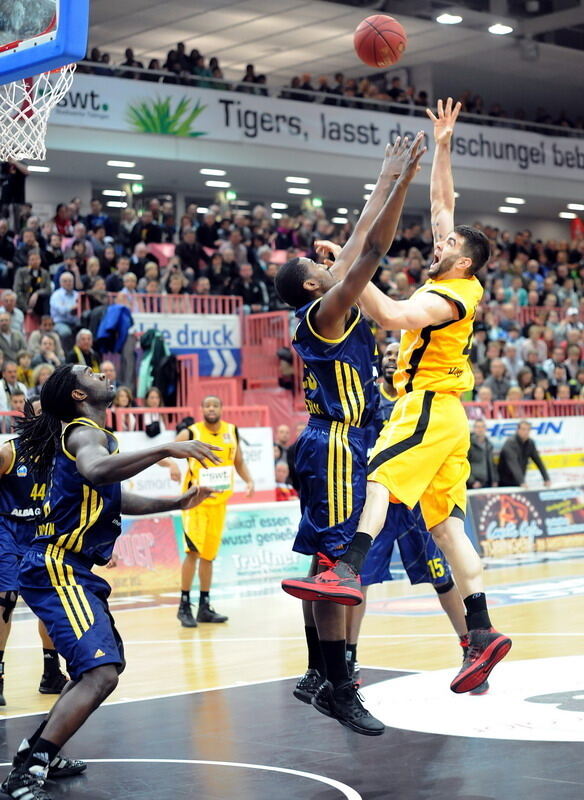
(346, 791)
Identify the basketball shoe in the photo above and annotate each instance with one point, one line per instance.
(52, 682)
(307, 685)
(58, 768)
(485, 649)
(208, 614)
(185, 616)
(344, 704)
(24, 785)
(483, 688)
(339, 583)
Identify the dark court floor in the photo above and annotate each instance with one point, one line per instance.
(255, 742)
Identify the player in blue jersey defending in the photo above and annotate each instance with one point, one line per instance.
(78, 458)
(421, 558)
(21, 501)
(339, 355)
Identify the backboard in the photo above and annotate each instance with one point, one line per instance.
(40, 36)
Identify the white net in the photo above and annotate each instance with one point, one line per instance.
(25, 106)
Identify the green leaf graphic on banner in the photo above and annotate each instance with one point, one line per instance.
(158, 116)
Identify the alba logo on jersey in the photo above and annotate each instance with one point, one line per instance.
(22, 471)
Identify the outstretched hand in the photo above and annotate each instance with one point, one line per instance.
(411, 159)
(393, 160)
(196, 495)
(324, 248)
(445, 121)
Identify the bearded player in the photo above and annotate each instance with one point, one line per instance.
(421, 455)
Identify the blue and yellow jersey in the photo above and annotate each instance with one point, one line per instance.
(384, 408)
(21, 494)
(79, 518)
(339, 374)
(436, 357)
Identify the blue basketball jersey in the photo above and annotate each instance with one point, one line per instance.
(384, 408)
(339, 374)
(21, 495)
(80, 518)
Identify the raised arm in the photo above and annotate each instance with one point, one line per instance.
(89, 446)
(390, 171)
(441, 181)
(332, 310)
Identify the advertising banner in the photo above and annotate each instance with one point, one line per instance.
(556, 438)
(255, 555)
(215, 338)
(116, 104)
(256, 444)
(508, 522)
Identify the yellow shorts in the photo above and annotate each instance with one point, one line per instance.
(203, 528)
(421, 454)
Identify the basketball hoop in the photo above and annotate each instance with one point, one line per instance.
(25, 105)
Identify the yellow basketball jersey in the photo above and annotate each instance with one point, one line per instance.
(226, 438)
(437, 357)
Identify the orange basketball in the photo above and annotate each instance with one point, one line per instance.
(380, 41)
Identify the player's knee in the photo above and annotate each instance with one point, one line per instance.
(103, 681)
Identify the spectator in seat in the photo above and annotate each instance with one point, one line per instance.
(129, 292)
(6, 254)
(573, 362)
(497, 380)
(47, 326)
(9, 384)
(146, 230)
(97, 217)
(40, 375)
(517, 451)
(108, 260)
(219, 275)
(253, 292)
(151, 273)
(127, 225)
(483, 472)
(556, 360)
(28, 242)
(140, 257)
(48, 354)
(32, 285)
(234, 243)
(190, 253)
(97, 239)
(563, 391)
(23, 370)
(83, 352)
(17, 402)
(92, 272)
(65, 308)
(62, 220)
(152, 421)
(284, 490)
(124, 399)
(511, 361)
(109, 370)
(207, 232)
(9, 307)
(54, 252)
(484, 394)
(282, 438)
(115, 281)
(202, 286)
(176, 284)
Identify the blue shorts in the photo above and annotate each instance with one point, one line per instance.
(423, 561)
(15, 539)
(331, 465)
(72, 602)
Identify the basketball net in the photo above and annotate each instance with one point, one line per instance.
(25, 106)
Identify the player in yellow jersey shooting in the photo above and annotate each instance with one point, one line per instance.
(421, 455)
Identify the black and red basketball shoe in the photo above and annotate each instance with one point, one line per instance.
(485, 649)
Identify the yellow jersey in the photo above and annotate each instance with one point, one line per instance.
(437, 357)
(225, 437)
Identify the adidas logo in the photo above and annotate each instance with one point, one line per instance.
(99, 653)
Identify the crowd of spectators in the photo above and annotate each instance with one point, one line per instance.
(194, 69)
(529, 334)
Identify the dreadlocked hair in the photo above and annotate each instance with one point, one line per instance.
(40, 436)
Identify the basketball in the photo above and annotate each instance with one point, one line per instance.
(380, 41)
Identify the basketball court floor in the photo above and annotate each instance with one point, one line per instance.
(208, 713)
